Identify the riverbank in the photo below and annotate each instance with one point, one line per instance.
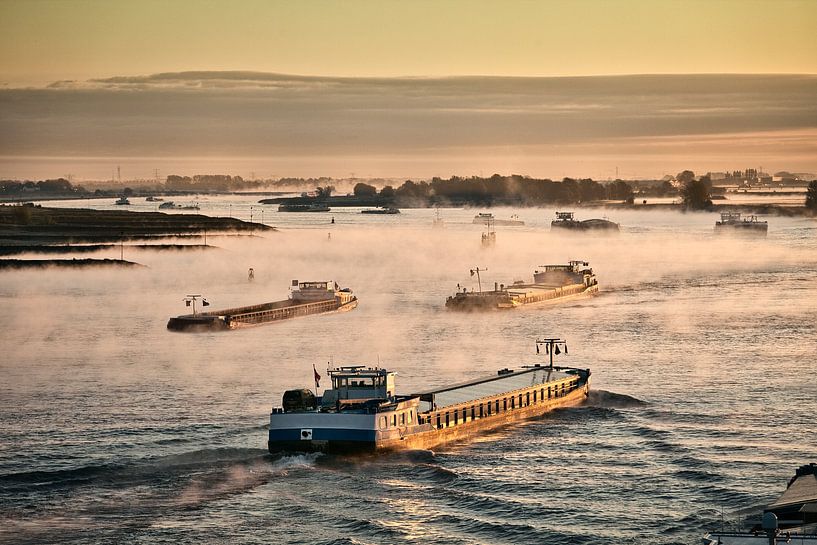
(63, 263)
(33, 225)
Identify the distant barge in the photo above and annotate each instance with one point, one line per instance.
(488, 219)
(362, 412)
(565, 220)
(313, 207)
(381, 210)
(554, 283)
(304, 299)
(731, 222)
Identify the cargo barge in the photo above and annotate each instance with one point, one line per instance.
(381, 210)
(312, 207)
(488, 219)
(554, 283)
(362, 413)
(305, 298)
(565, 220)
(732, 223)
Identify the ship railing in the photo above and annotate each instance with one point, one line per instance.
(285, 312)
(461, 413)
(554, 293)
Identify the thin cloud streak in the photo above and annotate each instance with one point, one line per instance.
(281, 117)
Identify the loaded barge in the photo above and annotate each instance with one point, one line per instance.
(732, 223)
(305, 298)
(362, 413)
(565, 220)
(554, 283)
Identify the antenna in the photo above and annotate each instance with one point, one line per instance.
(552, 347)
(477, 270)
(119, 174)
(191, 299)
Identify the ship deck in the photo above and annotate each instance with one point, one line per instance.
(491, 386)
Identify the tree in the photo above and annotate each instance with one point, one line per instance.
(620, 190)
(696, 195)
(685, 177)
(811, 197)
(387, 193)
(364, 190)
(324, 192)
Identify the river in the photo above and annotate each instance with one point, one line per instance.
(702, 348)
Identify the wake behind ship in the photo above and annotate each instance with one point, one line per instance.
(361, 412)
(553, 283)
(305, 298)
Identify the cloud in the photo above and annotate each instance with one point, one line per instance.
(265, 114)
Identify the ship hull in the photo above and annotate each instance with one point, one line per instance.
(476, 303)
(744, 229)
(354, 434)
(255, 315)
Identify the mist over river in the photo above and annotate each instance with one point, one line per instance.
(702, 348)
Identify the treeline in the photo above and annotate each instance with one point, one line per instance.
(225, 182)
(60, 186)
(498, 190)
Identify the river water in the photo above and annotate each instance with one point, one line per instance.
(702, 348)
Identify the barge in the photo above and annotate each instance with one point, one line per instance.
(551, 284)
(381, 210)
(361, 412)
(312, 207)
(305, 298)
(488, 219)
(565, 220)
(791, 518)
(733, 223)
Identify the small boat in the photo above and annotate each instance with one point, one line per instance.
(791, 518)
(312, 207)
(551, 284)
(565, 220)
(362, 412)
(151, 198)
(305, 298)
(486, 218)
(733, 223)
(191, 206)
(381, 210)
(169, 205)
(438, 222)
(489, 236)
(122, 200)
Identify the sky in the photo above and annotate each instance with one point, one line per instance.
(406, 88)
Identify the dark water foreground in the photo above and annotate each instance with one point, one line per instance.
(114, 430)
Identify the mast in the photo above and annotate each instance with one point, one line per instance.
(552, 346)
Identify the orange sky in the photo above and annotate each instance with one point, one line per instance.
(46, 40)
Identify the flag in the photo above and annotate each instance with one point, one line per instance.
(204, 303)
(187, 302)
(556, 350)
(537, 348)
(317, 377)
